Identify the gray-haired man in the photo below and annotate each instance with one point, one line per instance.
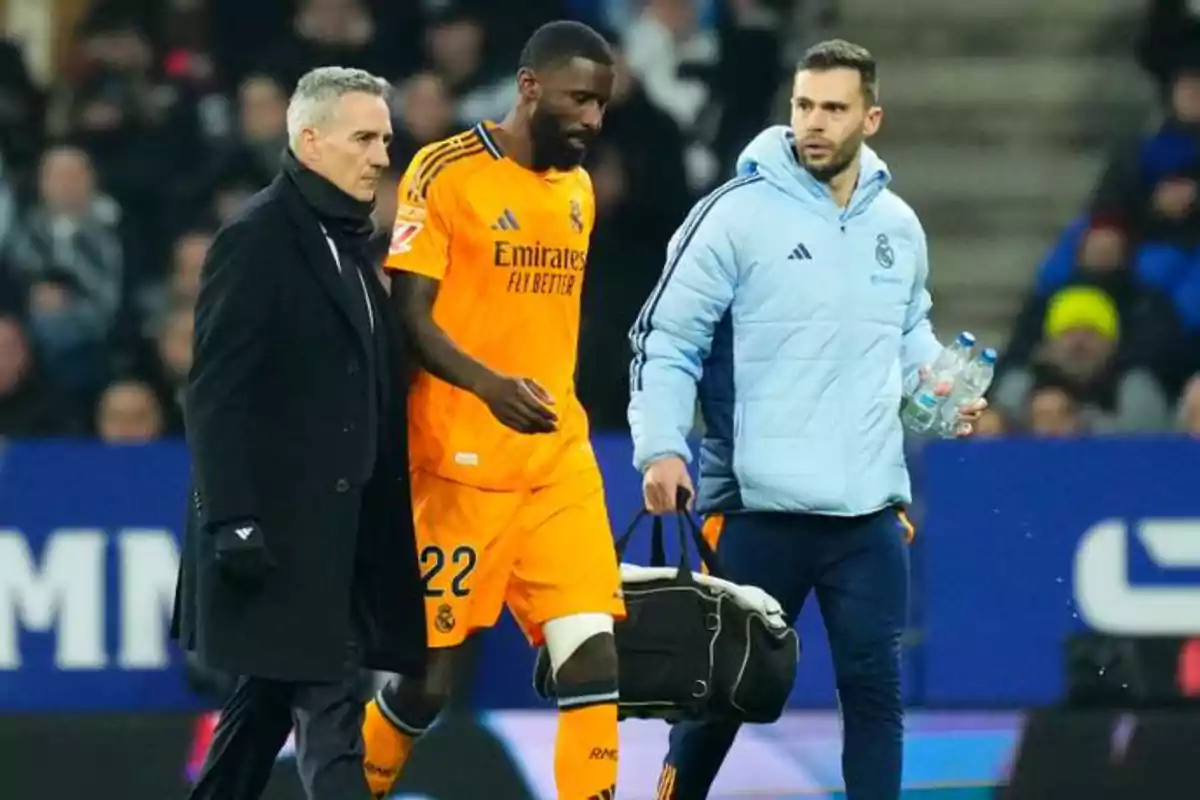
(299, 565)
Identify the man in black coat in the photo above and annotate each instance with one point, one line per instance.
(299, 566)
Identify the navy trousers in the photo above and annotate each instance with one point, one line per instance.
(858, 567)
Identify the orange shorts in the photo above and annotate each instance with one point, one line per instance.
(545, 553)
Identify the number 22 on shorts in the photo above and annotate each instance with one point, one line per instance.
(462, 560)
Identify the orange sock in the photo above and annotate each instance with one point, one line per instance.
(386, 749)
(585, 754)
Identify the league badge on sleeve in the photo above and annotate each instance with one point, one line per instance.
(409, 221)
(402, 236)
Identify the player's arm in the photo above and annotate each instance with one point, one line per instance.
(919, 346)
(413, 296)
(520, 404)
(418, 260)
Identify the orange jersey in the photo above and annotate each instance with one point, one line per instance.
(509, 247)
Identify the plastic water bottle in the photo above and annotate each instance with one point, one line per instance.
(971, 385)
(921, 412)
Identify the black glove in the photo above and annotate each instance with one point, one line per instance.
(242, 555)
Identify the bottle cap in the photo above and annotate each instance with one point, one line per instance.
(987, 356)
(966, 339)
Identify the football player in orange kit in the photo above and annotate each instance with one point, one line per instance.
(487, 263)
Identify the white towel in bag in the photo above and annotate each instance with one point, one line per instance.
(750, 598)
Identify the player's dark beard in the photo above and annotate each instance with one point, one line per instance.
(836, 165)
(551, 150)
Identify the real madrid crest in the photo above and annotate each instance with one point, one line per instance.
(576, 215)
(883, 252)
(444, 621)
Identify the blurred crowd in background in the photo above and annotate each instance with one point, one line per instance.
(1108, 340)
(114, 179)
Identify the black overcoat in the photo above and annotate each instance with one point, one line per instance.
(276, 415)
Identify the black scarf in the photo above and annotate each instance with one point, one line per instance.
(347, 221)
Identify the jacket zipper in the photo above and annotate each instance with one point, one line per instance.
(845, 281)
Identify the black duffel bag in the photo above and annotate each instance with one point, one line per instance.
(687, 650)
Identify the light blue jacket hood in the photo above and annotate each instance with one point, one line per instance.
(772, 154)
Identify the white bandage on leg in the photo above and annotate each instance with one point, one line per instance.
(564, 635)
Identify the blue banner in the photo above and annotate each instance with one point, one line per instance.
(1027, 542)
(88, 555)
(1021, 544)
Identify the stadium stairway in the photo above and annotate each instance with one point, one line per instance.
(1000, 116)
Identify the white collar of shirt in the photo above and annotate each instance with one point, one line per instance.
(337, 259)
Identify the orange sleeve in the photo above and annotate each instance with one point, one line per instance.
(421, 233)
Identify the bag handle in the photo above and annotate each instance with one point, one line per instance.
(622, 542)
(687, 527)
(658, 556)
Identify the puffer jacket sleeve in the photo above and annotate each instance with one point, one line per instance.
(672, 336)
(919, 346)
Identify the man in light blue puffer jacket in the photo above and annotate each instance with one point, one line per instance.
(794, 306)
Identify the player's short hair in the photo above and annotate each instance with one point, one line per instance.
(556, 43)
(840, 54)
(312, 102)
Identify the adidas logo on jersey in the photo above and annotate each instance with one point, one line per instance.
(506, 222)
(800, 253)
